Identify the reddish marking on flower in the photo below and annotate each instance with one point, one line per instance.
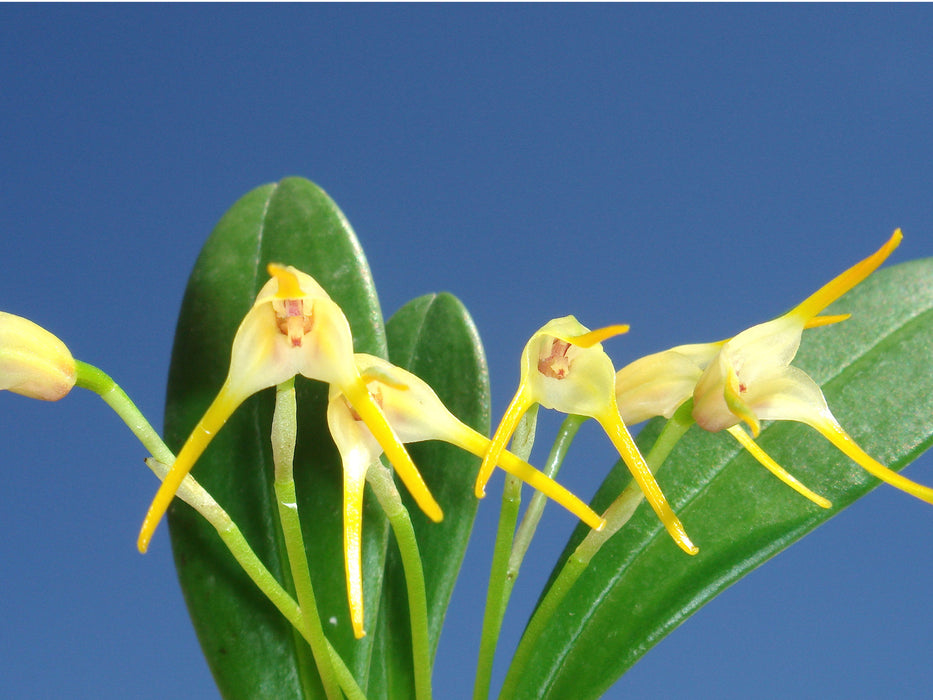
(294, 322)
(556, 364)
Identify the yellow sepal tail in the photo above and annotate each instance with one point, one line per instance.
(477, 444)
(365, 406)
(520, 404)
(633, 459)
(768, 463)
(843, 441)
(213, 420)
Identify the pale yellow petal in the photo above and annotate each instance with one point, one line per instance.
(585, 388)
(790, 394)
(326, 353)
(710, 410)
(764, 348)
(410, 405)
(657, 384)
(261, 356)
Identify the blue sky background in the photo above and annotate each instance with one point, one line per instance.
(690, 170)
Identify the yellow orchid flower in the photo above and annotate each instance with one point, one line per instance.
(416, 414)
(750, 379)
(292, 328)
(565, 368)
(33, 362)
(659, 384)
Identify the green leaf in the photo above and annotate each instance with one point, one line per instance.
(434, 337)
(251, 649)
(875, 373)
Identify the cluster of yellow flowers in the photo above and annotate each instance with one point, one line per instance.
(374, 407)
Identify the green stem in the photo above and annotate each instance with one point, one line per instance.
(98, 381)
(528, 525)
(192, 493)
(531, 518)
(284, 434)
(616, 516)
(497, 594)
(383, 485)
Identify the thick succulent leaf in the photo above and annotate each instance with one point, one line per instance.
(434, 337)
(875, 373)
(251, 649)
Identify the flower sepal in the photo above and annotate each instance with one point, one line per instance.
(34, 362)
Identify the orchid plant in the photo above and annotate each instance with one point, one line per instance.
(288, 395)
